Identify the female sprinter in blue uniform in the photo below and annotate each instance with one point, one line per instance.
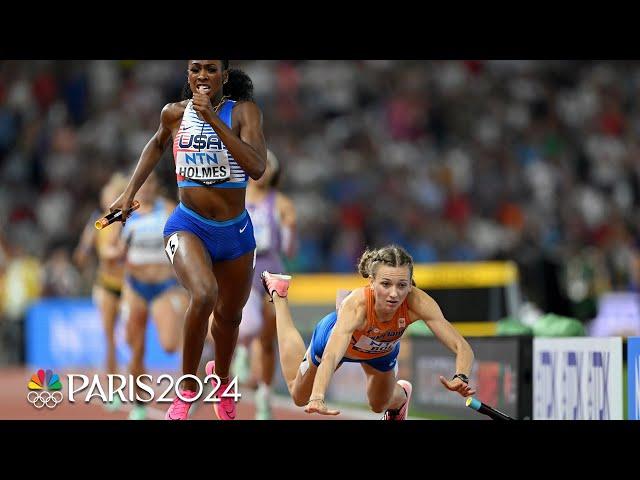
(218, 144)
(367, 330)
(150, 282)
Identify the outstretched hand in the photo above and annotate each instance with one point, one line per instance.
(457, 385)
(318, 406)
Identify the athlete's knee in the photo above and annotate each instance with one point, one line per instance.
(171, 347)
(299, 398)
(377, 406)
(170, 344)
(203, 298)
(229, 319)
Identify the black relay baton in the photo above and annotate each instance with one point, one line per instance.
(486, 409)
(115, 216)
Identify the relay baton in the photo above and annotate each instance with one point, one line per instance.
(486, 409)
(115, 216)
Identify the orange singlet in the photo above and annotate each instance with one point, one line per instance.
(377, 338)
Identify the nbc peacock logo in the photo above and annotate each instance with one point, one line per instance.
(44, 389)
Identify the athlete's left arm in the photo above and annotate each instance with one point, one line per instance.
(250, 148)
(287, 214)
(426, 308)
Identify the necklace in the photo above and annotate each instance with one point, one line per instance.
(222, 100)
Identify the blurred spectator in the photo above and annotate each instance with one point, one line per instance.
(20, 285)
(535, 161)
(60, 277)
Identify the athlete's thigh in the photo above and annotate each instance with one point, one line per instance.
(168, 311)
(380, 385)
(306, 375)
(191, 260)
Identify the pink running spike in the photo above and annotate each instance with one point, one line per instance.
(225, 409)
(274, 282)
(179, 409)
(401, 413)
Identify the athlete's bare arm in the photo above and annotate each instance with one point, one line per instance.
(341, 294)
(287, 213)
(170, 116)
(425, 308)
(250, 148)
(350, 317)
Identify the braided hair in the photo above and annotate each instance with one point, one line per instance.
(391, 255)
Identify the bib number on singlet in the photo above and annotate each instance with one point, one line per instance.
(208, 166)
(368, 345)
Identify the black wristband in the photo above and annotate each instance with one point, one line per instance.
(462, 377)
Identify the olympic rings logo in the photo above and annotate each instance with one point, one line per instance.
(42, 399)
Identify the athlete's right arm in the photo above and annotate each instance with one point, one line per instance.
(350, 317)
(150, 156)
